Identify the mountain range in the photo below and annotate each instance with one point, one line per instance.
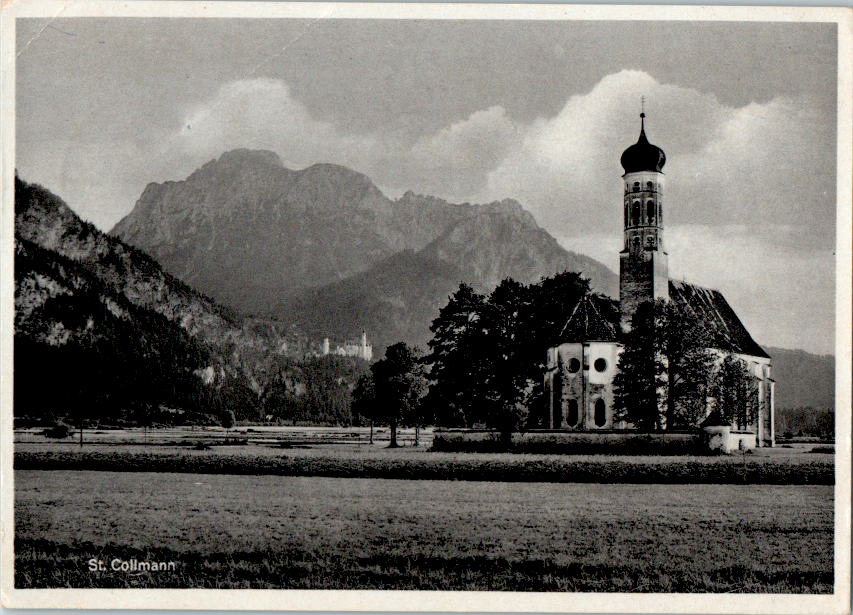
(803, 379)
(325, 249)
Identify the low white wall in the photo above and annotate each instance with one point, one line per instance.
(716, 439)
(721, 439)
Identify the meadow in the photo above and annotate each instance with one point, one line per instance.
(317, 508)
(310, 532)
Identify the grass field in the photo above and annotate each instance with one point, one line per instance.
(273, 531)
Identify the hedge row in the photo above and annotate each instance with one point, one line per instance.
(427, 467)
(555, 445)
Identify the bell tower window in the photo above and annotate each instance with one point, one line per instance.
(650, 186)
(636, 186)
(650, 212)
(635, 213)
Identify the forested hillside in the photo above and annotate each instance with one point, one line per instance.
(103, 334)
(803, 379)
(805, 392)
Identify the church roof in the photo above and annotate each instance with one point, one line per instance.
(643, 156)
(588, 324)
(716, 316)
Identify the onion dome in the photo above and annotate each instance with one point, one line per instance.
(643, 156)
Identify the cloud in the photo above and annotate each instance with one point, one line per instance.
(756, 165)
(457, 160)
(263, 114)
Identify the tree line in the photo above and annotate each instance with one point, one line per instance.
(485, 365)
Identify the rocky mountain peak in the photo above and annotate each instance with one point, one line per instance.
(236, 162)
(332, 186)
(242, 156)
(253, 234)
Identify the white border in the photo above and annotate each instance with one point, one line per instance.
(326, 600)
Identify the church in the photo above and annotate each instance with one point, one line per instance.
(581, 367)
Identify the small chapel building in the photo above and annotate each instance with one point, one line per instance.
(581, 368)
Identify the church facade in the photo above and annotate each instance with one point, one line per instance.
(581, 368)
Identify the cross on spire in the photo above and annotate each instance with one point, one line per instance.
(642, 106)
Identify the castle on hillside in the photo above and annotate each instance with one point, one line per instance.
(350, 348)
(581, 368)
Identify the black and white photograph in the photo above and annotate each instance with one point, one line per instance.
(516, 308)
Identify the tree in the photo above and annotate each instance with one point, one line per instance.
(736, 393)
(364, 400)
(551, 301)
(664, 369)
(227, 419)
(398, 387)
(690, 364)
(508, 368)
(455, 359)
(639, 379)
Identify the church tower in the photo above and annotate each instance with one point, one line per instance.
(643, 267)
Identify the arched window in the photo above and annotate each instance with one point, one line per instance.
(600, 365)
(650, 212)
(572, 419)
(600, 414)
(636, 186)
(635, 213)
(574, 366)
(660, 214)
(650, 186)
(636, 241)
(557, 400)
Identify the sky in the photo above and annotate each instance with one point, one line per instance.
(474, 111)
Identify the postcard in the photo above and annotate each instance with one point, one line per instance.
(425, 307)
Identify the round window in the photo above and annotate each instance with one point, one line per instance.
(600, 365)
(574, 365)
